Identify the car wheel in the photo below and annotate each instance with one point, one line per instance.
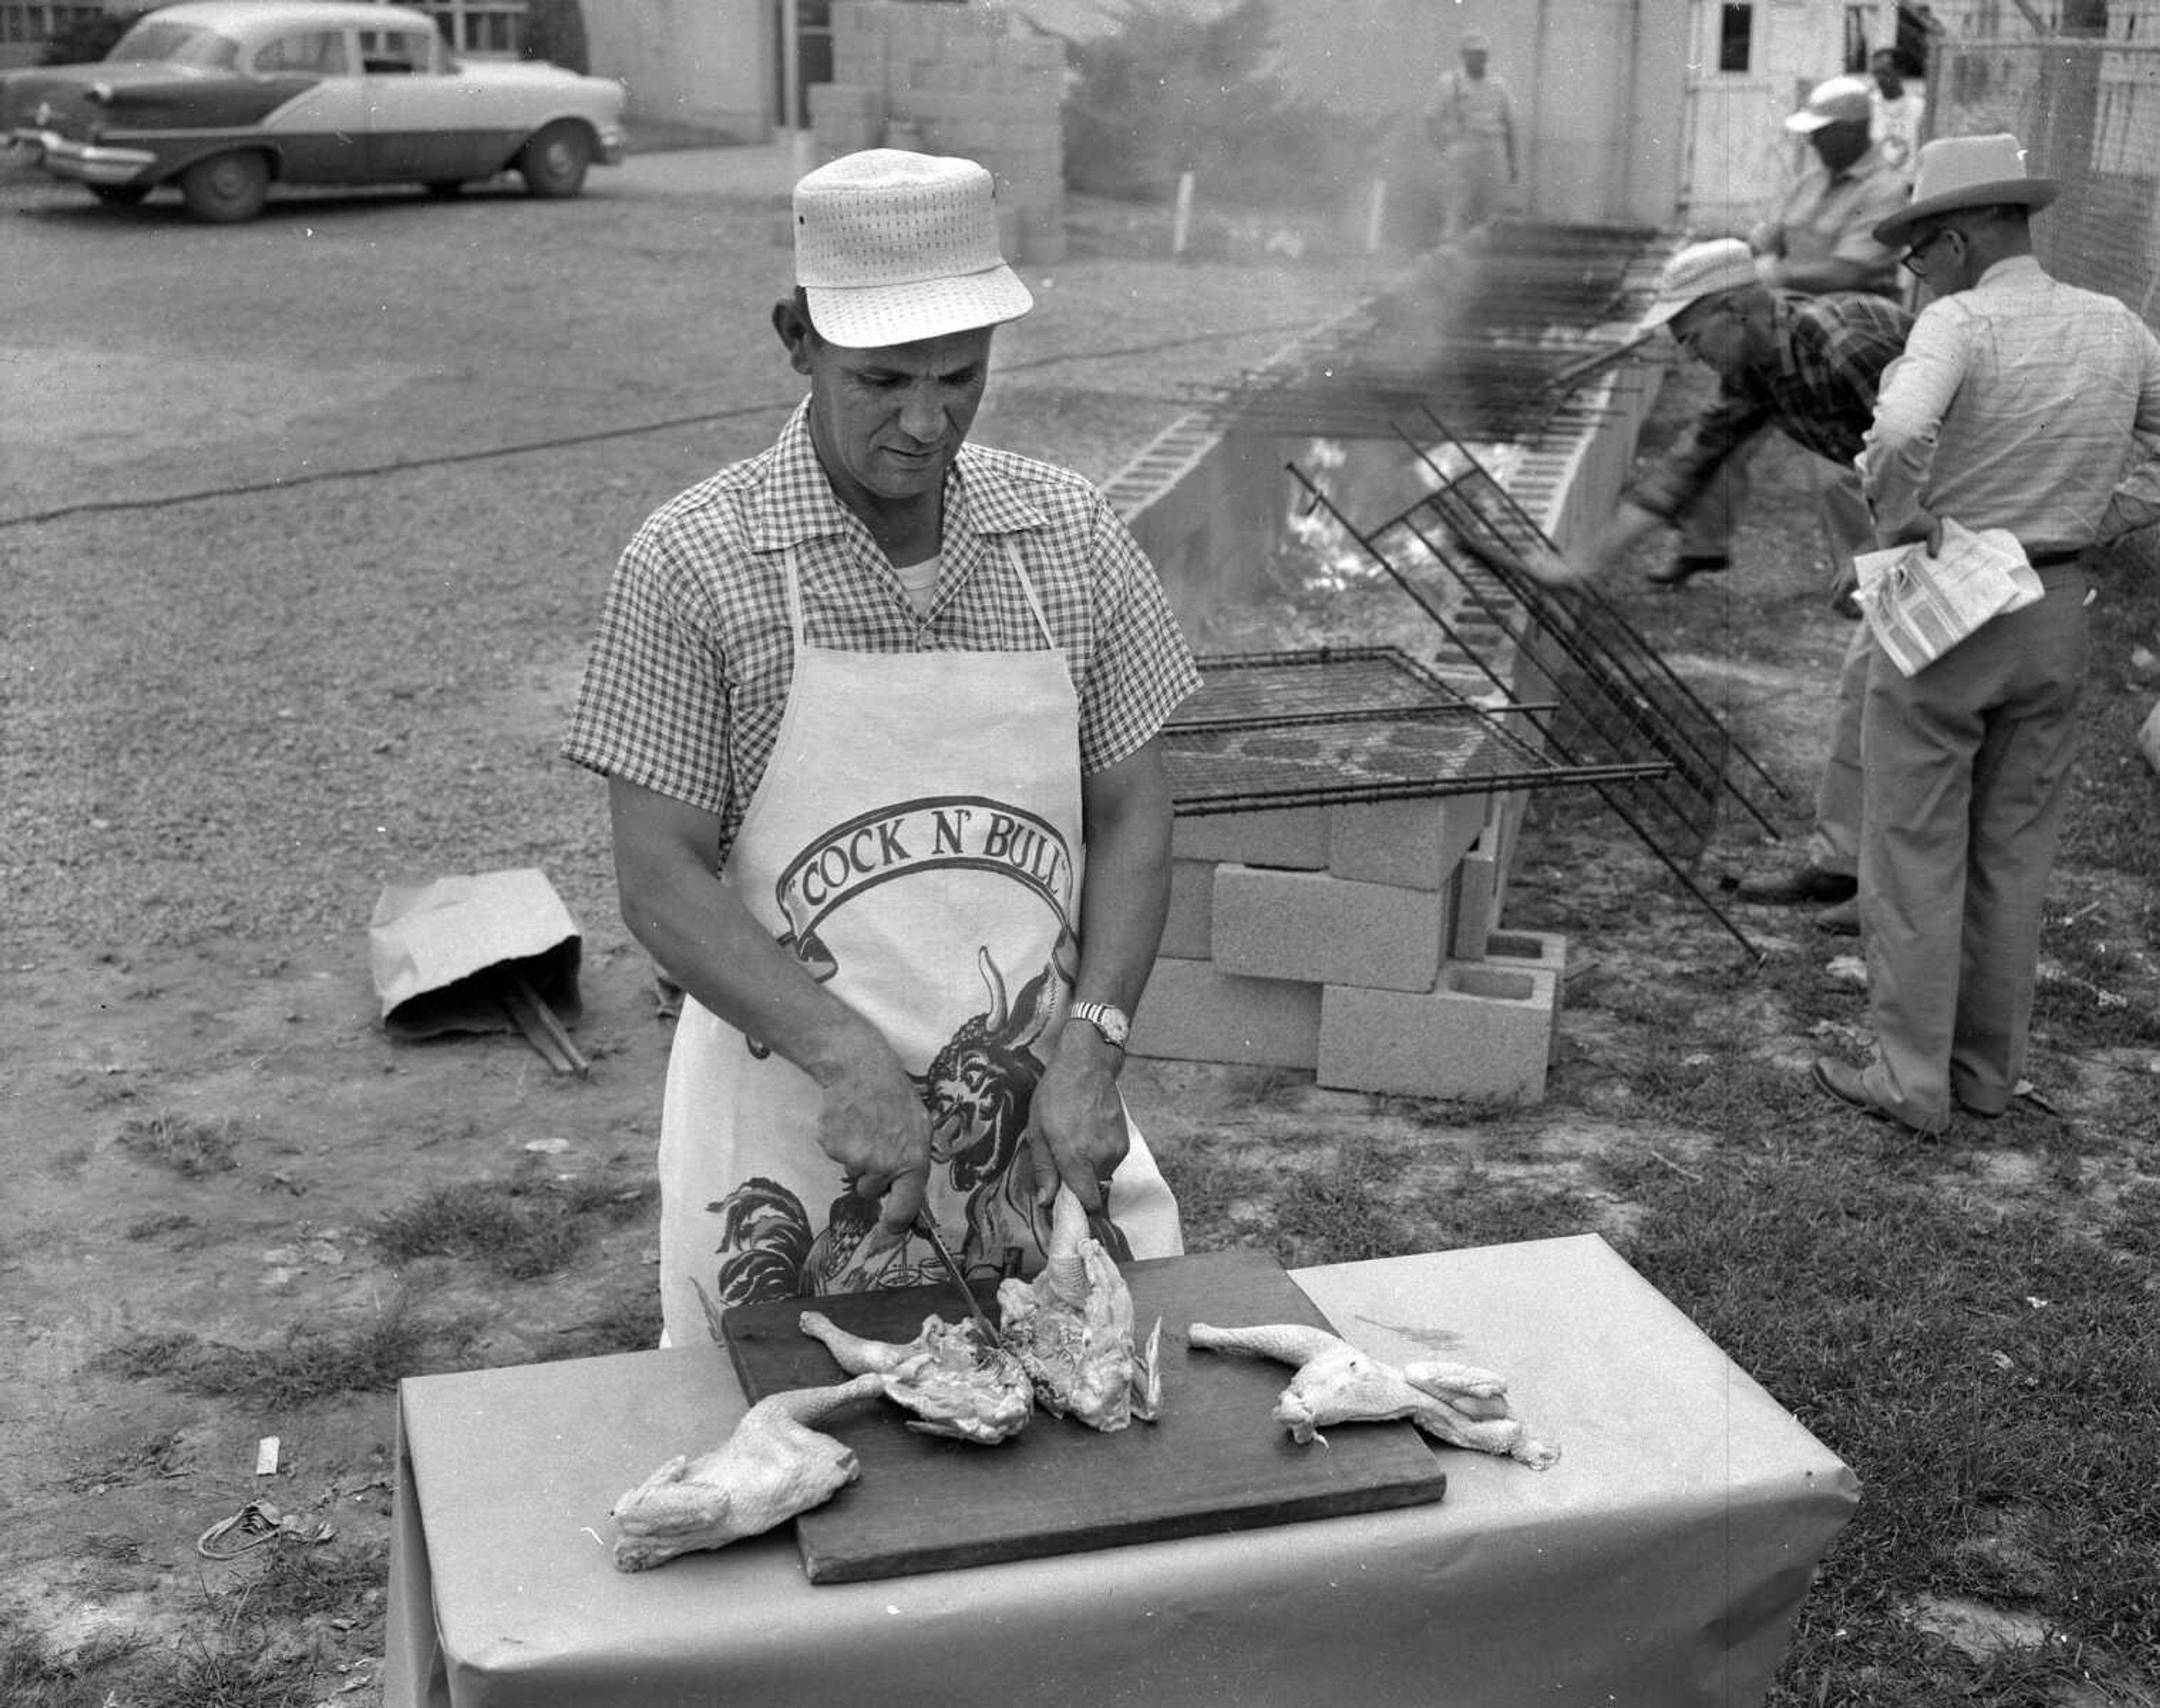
(120, 196)
(554, 162)
(227, 188)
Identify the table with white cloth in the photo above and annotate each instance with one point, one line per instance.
(1661, 1561)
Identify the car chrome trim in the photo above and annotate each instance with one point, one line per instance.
(88, 162)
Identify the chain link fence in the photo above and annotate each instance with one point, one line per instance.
(2087, 112)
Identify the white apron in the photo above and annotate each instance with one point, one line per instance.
(915, 841)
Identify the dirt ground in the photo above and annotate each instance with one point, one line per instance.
(234, 714)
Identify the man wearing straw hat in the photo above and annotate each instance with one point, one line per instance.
(2020, 403)
(1808, 367)
(878, 710)
(1818, 239)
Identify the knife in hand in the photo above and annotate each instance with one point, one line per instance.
(927, 1228)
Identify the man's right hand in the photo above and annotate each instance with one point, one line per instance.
(872, 1121)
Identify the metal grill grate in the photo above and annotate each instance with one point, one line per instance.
(1341, 726)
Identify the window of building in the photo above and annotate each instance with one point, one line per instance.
(1736, 29)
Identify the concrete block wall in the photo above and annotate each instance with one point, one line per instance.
(1364, 942)
(953, 80)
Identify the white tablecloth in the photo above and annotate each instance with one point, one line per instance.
(1661, 1561)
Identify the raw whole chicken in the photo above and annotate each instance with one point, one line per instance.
(1336, 1383)
(954, 1383)
(1072, 1329)
(773, 1466)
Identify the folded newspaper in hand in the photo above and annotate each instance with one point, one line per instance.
(1920, 607)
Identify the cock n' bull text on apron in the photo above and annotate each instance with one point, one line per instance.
(916, 842)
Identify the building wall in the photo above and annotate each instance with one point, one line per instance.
(705, 63)
(1598, 88)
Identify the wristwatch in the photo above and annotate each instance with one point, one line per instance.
(1110, 1020)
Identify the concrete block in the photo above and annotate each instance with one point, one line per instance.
(1326, 930)
(1477, 908)
(1193, 1011)
(1293, 839)
(1414, 844)
(1527, 951)
(1187, 932)
(1484, 1033)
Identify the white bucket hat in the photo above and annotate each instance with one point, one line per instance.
(1838, 101)
(1967, 172)
(892, 246)
(1698, 271)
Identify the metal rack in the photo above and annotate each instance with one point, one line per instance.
(1343, 725)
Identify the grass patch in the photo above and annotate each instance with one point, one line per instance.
(34, 1674)
(629, 1322)
(333, 1581)
(181, 1143)
(1976, 1367)
(520, 1227)
(310, 1364)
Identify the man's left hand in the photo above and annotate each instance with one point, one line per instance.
(1078, 1126)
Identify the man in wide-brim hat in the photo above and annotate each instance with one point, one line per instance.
(2018, 404)
(878, 708)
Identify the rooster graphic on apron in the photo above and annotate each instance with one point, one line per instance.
(916, 842)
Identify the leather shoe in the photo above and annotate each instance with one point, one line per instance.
(1842, 920)
(1843, 1082)
(1810, 884)
(1685, 566)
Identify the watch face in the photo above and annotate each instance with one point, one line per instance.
(1108, 1020)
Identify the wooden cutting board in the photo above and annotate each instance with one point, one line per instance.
(1215, 1462)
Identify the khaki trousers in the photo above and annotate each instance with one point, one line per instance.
(1967, 767)
(1848, 529)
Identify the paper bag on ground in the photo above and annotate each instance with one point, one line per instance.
(1919, 606)
(444, 952)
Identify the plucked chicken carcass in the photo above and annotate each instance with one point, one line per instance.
(1072, 1329)
(1336, 1383)
(773, 1466)
(954, 1383)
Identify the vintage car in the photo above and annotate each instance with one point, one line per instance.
(224, 97)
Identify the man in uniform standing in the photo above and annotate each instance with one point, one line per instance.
(1470, 119)
(878, 710)
(2020, 403)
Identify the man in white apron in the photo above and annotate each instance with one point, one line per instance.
(878, 710)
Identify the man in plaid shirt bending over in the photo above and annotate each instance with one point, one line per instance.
(1808, 366)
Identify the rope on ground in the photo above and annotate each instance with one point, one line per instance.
(256, 1523)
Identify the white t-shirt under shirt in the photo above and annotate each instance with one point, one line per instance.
(919, 581)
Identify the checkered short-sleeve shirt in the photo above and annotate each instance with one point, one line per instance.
(686, 681)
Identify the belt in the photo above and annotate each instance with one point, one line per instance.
(2053, 560)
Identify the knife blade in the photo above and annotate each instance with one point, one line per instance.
(924, 1226)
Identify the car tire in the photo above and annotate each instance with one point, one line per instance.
(553, 164)
(227, 189)
(120, 196)
(444, 189)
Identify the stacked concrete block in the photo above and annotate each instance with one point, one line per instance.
(1485, 1030)
(1208, 508)
(1194, 1011)
(955, 79)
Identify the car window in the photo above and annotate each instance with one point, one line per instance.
(319, 51)
(178, 45)
(390, 52)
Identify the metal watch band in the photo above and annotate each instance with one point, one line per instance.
(1107, 1019)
